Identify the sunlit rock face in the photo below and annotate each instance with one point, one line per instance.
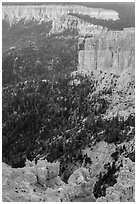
(41, 182)
(18, 20)
(61, 16)
(107, 50)
(14, 13)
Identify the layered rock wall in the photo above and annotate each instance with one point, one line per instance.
(14, 13)
(61, 16)
(107, 50)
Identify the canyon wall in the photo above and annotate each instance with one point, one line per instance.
(98, 47)
(24, 21)
(14, 13)
(107, 50)
(61, 16)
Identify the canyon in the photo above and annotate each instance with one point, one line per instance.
(41, 41)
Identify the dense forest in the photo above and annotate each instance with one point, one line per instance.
(50, 57)
(54, 117)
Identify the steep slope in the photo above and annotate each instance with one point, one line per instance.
(25, 23)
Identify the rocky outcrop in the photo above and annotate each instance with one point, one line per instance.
(124, 189)
(42, 13)
(41, 182)
(107, 50)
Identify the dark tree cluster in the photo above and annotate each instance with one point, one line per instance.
(108, 179)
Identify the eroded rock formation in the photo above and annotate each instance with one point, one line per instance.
(41, 182)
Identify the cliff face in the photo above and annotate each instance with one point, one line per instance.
(107, 50)
(61, 16)
(14, 13)
(24, 23)
(101, 49)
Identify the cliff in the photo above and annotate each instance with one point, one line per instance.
(61, 17)
(107, 50)
(22, 24)
(98, 48)
(14, 13)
